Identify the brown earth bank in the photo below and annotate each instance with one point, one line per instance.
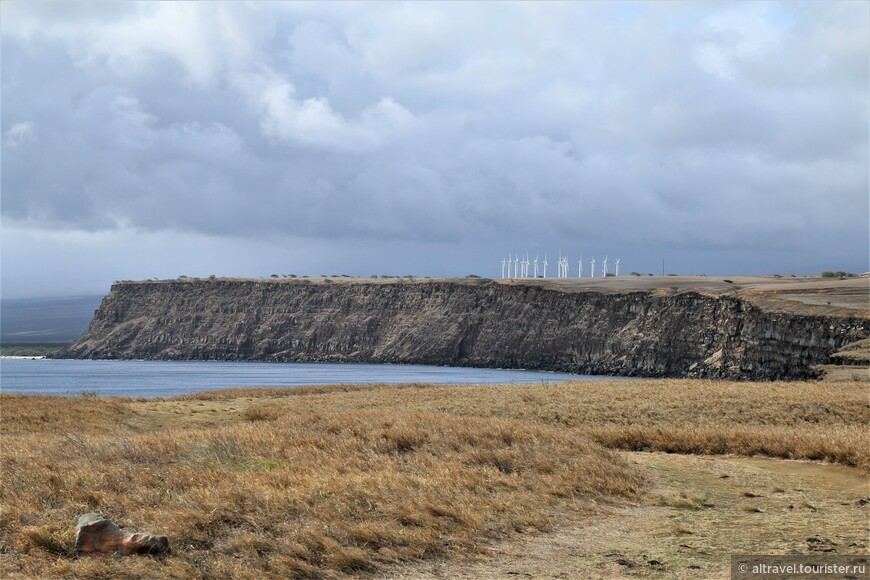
(560, 480)
(741, 328)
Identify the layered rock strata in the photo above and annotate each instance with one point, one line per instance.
(480, 323)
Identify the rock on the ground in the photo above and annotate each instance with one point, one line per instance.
(98, 536)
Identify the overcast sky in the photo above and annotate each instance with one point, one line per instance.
(160, 139)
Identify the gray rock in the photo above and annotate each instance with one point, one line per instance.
(465, 323)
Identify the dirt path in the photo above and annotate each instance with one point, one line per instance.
(698, 512)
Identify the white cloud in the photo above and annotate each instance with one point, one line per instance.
(314, 122)
(204, 39)
(20, 134)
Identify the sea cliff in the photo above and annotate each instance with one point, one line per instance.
(471, 322)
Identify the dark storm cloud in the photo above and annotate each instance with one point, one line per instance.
(737, 128)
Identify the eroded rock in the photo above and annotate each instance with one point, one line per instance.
(98, 536)
(465, 323)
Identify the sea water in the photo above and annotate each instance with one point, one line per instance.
(133, 378)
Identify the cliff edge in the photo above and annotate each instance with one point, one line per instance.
(653, 332)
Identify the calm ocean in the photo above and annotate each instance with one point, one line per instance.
(164, 378)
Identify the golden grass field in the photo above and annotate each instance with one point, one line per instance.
(331, 482)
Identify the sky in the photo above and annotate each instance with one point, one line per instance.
(152, 140)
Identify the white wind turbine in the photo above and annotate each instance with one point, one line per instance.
(502, 267)
(617, 266)
(592, 268)
(545, 265)
(516, 265)
(604, 268)
(526, 266)
(536, 265)
(580, 267)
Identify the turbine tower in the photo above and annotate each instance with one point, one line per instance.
(592, 268)
(536, 265)
(545, 265)
(516, 265)
(502, 267)
(604, 268)
(580, 267)
(617, 266)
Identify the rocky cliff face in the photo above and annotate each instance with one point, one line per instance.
(478, 323)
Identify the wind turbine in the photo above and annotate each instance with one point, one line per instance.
(526, 266)
(617, 266)
(536, 265)
(580, 267)
(604, 268)
(502, 267)
(592, 268)
(545, 265)
(566, 266)
(516, 265)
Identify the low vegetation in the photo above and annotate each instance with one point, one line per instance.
(29, 349)
(285, 495)
(327, 482)
(790, 420)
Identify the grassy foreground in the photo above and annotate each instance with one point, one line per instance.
(336, 481)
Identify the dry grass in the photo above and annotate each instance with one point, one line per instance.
(27, 414)
(345, 480)
(300, 495)
(792, 420)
